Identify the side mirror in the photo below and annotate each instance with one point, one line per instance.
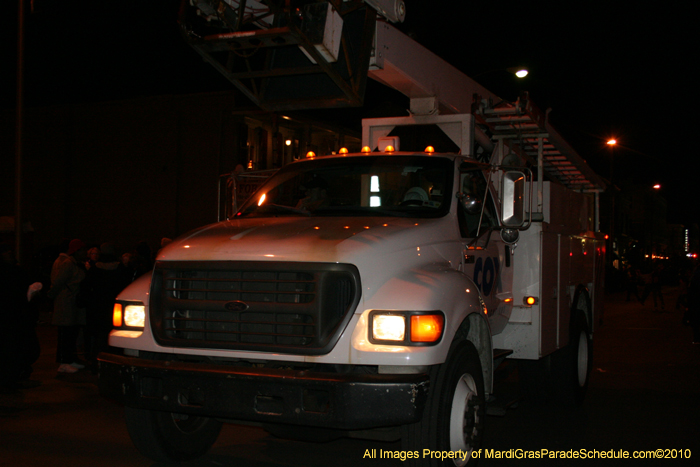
(513, 199)
(469, 203)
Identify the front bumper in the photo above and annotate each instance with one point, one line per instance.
(332, 400)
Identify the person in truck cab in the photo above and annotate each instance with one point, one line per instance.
(316, 194)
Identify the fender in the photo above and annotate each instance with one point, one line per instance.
(435, 286)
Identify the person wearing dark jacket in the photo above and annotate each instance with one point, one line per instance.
(19, 346)
(103, 282)
(67, 274)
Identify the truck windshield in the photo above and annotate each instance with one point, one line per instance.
(403, 186)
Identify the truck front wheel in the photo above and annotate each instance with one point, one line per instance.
(168, 437)
(453, 418)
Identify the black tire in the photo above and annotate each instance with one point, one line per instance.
(577, 370)
(562, 377)
(454, 416)
(168, 437)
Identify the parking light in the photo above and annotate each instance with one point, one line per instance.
(426, 328)
(117, 315)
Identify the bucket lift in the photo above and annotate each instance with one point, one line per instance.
(286, 54)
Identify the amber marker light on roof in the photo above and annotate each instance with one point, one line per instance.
(366, 150)
(430, 149)
(343, 151)
(426, 328)
(310, 154)
(389, 148)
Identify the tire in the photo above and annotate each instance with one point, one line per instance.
(578, 371)
(454, 416)
(168, 437)
(562, 377)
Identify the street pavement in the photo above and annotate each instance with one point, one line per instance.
(644, 395)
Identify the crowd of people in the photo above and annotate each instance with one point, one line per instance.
(649, 279)
(79, 290)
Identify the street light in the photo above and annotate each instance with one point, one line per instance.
(612, 142)
(519, 72)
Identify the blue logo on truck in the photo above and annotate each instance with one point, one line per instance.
(485, 274)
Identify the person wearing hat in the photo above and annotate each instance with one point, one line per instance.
(66, 276)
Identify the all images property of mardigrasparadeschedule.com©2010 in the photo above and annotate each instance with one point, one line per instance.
(531, 454)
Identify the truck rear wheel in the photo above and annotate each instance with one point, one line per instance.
(168, 437)
(579, 365)
(562, 376)
(453, 418)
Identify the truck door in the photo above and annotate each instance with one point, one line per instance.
(484, 258)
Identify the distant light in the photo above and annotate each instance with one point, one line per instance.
(657, 187)
(521, 73)
(288, 142)
(250, 164)
(262, 200)
(611, 142)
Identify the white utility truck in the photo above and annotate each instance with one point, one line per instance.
(359, 292)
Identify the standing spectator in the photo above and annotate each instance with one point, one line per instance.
(694, 305)
(142, 259)
(102, 284)
(66, 275)
(632, 282)
(19, 346)
(652, 285)
(93, 256)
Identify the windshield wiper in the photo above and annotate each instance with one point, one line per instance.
(356, 210)
(277, 208)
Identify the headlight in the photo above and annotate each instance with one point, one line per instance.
(389, 327)
(413, 328)
(129, 315)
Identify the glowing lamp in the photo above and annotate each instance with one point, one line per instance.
(426, 328)
(117, 315)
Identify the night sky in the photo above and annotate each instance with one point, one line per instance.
(607, 69)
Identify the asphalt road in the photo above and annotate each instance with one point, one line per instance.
(644, 396)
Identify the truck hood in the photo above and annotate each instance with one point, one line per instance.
(342, 240)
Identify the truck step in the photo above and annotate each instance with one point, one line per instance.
(499, 355)
(498, 407)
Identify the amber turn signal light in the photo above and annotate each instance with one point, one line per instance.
(117, 315)
(427, 328)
